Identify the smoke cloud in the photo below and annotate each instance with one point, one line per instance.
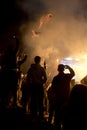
(65, 35)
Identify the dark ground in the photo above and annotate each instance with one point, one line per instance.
(15, 118)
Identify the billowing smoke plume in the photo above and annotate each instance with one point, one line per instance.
(64, 35)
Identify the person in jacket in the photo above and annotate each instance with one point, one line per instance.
(36, 78)
(61, 89)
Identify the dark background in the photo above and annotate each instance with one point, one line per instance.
(12, 16)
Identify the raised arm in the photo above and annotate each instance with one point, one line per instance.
(71, 70)
(22, 60)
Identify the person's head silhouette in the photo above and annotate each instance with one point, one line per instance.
(37, 59)
(61, 67)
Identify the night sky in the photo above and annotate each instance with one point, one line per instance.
(10, 17)
(12, 12)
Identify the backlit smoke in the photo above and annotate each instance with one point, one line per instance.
(64, 35)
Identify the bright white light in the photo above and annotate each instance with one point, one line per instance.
(68, 58)
(77, 59)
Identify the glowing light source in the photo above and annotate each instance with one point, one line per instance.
(77, 59)
(68, 58)
(57, 60)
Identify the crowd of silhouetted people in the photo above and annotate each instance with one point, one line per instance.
(67, 108)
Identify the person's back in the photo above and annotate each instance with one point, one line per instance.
(61, 82)
(37, 74)
(36, 77)
(61, 88)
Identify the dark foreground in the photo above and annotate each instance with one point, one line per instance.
(15, 118)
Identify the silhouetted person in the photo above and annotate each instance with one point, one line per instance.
(75, 114)
(61, 88)
(36, 77)
(19, 62)
(10, 77)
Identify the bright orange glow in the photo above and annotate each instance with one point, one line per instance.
(62, 37)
